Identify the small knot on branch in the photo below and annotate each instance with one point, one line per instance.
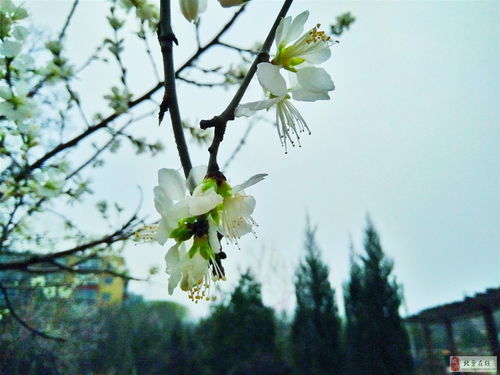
(219, 121)
(263, 57)
(163, 108)
(164, 38)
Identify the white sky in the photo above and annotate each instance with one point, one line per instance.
(410, 136)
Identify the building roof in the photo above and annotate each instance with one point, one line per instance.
(468, 307)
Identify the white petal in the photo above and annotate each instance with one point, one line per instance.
(163, 231)
(172, 258)
(180, 210)
(248, 109)
(20, 33)
(318, 56)
(173, 281)
(242, 228)
(304, 95)
(297, 27)
(162, 201)
(282, 30)
(196, 176)
(172, 183)
(315, 79)
(240, 205)
(10, 48)
(251, 181)
(22, 88)
(213, 237)
(199, 205)
(271, 79)
(5, 92)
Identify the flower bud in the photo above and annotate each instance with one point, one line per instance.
(191, 9)
(232, 3)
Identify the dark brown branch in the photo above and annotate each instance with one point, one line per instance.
(21, 321)
(167, 38)
(118, 235)
(219, 122)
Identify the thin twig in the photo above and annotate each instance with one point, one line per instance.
(68, 19)
(219, 122)
(21, 321)
(241, 143)
(201, 84)
(238, 49)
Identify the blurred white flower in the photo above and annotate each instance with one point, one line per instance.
(16, 105)
(232, 3)
(191, 9)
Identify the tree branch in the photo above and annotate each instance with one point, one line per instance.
(118, 235)
(146, 96)
(68, 19)
(166, 38)
(219, 122)
(21, 321)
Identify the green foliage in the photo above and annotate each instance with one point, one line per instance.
(142, 338)
(315, 331)
(344, 21)
(239, 336)
(377, 341)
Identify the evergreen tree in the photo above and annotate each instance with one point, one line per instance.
(239, 336)
(353, 309)
(376, 338)
(315, 331)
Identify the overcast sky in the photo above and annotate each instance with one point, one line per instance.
(410, 137)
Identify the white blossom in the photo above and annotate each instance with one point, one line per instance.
(174, 202)
(16, 105)
(237, 209)
(311, 84)
(294, 49)
(296, 53)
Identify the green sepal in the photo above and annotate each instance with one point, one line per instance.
(208, 183)
(296, 61)
(193, 250)
(215, 213)
(224, 190)
(290, 69)
(181, 233)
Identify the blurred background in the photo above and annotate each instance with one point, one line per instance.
(377, 250)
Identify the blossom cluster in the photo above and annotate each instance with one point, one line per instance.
(196, 213)
(298, 53)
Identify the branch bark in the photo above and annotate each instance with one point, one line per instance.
(167, 38)
(118, 235)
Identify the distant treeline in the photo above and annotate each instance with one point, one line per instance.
(241, 336)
